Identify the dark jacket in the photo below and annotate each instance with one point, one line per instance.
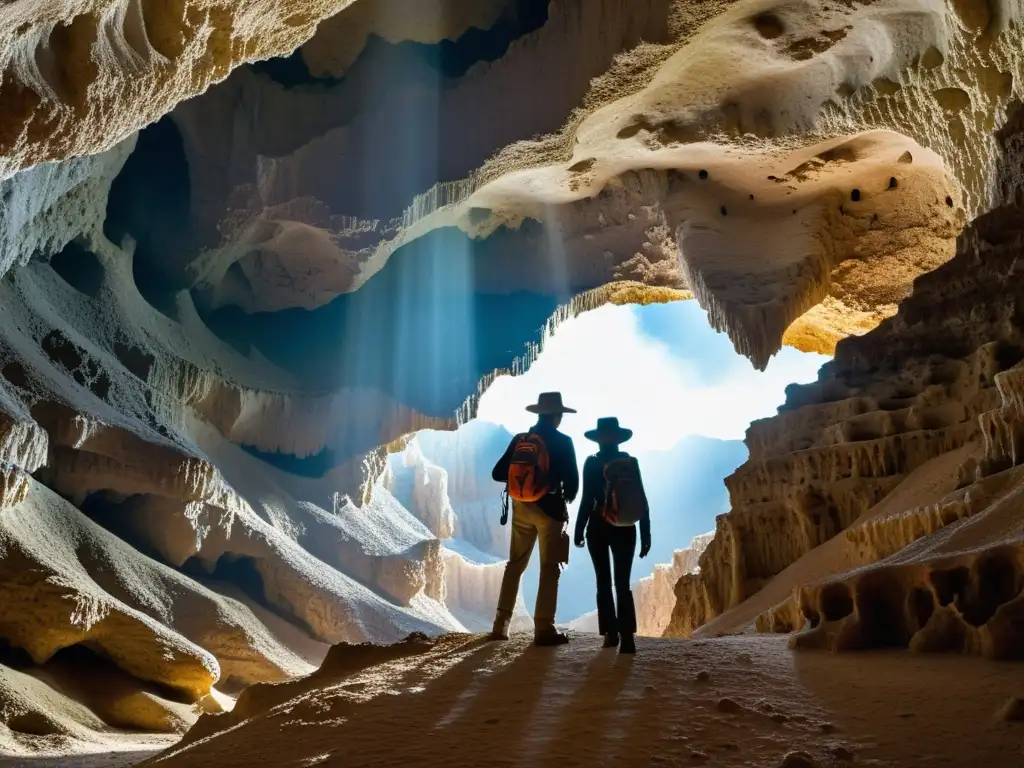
(565, 475)
(593, 495)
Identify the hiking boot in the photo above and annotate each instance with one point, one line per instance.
(627, 645)
(551, 638)
(611, 639)
(498, 632)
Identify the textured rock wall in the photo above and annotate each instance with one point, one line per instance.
(909, 435)
(654, 596)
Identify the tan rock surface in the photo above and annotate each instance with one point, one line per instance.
(814, 72)
(654, 596)
(67, 66)
(892, 472)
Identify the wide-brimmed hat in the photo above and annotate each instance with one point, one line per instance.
(549, 403)
(609, 431)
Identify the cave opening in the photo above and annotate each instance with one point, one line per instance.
(244, 573)
(880, 609)
(150, 201)
(995, 580)
(79, 267)
(659, 368)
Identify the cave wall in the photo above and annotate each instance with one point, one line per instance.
(877, 507)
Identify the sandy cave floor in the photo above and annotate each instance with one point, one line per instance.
(469, 702)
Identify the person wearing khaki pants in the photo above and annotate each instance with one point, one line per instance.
(531, 524)
(542, 522)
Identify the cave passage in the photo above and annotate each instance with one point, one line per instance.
(662, 370)
(149, 201)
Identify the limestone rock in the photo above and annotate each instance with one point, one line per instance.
(654, 595)
(78, 79)
(472, 585)
(873, 510)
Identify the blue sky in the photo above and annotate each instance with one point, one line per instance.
(660, 368)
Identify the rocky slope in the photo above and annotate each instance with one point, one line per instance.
(877, 507)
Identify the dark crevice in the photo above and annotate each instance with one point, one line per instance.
(111, 512)
(449, 58)
(836, 602)
(880, 608)
(96, 665)
(921, 605)
(242, 572)
(996, 581)
(317, 465)
(79, 268)
(949, 584)
(149, 200)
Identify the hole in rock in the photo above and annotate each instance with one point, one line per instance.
(243, 572)
(14, 372)
(621, 361)
(836, 602)
(995, 580)
(137, 361)
(768, 25)
(83, 369)
(150, 201)
(79, 268)
(812, 616)
(879, 600)
(920, 605)
(85, 671)
(949, 584)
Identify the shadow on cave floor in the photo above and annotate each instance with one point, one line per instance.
(462, 703)
(920, 709)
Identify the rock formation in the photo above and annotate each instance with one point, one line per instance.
(875, 508)
(654, 596)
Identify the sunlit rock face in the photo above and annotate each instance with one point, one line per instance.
(876, 507)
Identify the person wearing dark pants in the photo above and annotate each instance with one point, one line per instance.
(611, 546)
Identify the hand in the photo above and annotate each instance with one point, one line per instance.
(579, 541)
(645, 548)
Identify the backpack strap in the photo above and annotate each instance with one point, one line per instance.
(504, 506)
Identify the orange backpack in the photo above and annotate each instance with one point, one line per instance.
(530, 467)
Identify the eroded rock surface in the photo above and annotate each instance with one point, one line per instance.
(875, 507)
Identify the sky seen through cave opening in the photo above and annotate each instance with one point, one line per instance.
(661, 369)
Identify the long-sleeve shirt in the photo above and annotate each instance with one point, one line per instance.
(593, 494)
(565, 475)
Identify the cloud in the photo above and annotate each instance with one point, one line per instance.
(653, 373)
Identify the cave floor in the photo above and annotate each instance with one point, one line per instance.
(469, 702)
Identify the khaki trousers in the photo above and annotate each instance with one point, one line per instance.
(530, 525)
